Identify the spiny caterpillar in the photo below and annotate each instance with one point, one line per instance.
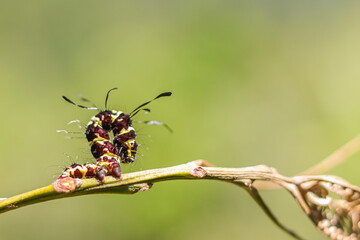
(109, 154)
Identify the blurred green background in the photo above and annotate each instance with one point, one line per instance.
(254, 82)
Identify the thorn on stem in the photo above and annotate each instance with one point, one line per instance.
(198, 172)
(65, 185)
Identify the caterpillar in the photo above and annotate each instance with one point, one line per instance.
(103, 167)
(109, 154)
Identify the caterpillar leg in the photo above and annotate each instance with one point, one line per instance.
(100, 175)
(117, 172)
(112, 165)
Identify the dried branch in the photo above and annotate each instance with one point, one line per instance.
(338, 157)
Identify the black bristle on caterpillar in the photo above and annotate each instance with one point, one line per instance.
(109, 154)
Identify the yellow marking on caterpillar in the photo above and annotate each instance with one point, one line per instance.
(129, 143)
(124, 130)
(99, 139)
(96, 121)
(71, 171)
(115, 115)
(109, 154)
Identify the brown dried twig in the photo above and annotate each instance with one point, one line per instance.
(331, 203)
(336, 158)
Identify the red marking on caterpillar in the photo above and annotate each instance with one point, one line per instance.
(109, 154)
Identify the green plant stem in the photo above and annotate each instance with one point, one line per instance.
(141, 181)
(129, 183)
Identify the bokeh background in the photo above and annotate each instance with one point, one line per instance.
(254, 82)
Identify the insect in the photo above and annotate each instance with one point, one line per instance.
(109, 154)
